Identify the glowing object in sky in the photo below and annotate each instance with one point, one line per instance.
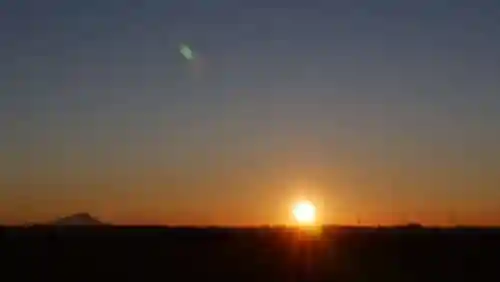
(304, 212)
(186, 52)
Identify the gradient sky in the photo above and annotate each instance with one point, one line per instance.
(384, 110)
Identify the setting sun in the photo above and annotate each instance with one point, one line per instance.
(304, 213)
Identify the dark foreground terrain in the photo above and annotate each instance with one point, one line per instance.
(264, 254)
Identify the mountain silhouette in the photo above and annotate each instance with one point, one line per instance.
(77, 219)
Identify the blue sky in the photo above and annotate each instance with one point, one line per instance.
(352, 92)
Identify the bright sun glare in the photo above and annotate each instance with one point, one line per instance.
(304, 213)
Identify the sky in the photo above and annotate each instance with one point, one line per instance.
(381, 112)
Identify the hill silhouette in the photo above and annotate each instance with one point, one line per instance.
(78, 219)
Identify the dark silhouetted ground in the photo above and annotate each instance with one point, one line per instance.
(263, 254)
